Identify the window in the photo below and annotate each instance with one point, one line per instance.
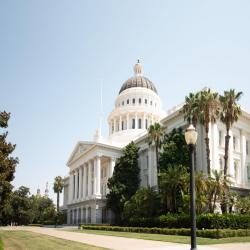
(236, 169)
(122, 125)
(139, 123)
(128, 101)
(221, 164)
(248, 171)
(151, 103)
(133, 123)
(133, 100)
(220, 138)
(234, 143)
(146, 101)
(139, 100)
(146, 123)
(122, 103)
(247, 147)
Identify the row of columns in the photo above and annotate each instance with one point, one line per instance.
(85, 181)
(115, 124)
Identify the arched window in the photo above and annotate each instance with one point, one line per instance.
(139, 100)
(236, 169)
(139, 123)
(248, 171)
(146, 101)
(133, 123)
(151, 103)
(122, 125)
(133, 100)
(146, 123)
(128, 101)
(122, 103)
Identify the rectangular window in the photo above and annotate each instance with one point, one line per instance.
(133, 123)
(220, 138)
(234, 143)
(133, 100)
(139, 121)
(146, 123)
(128, 101)
(146, 101)
(248, 172)
(247, 147)
(139, 100)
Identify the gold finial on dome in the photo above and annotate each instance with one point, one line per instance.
(138, 68)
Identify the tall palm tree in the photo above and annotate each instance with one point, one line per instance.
(208, 113)
(190, 108)
(58, 187)
(155, 136)
(230, 112)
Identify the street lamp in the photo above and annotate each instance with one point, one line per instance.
(191, 138)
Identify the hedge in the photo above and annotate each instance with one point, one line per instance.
(206, 221)
(206, 233)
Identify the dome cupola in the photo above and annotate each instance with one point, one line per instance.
(138, 80)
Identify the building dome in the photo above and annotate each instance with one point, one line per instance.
(138, 80)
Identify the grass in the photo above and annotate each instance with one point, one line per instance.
(1, 244)
(166, 238)
(20, 240)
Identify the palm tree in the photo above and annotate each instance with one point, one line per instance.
(172, 183)
(58, 187)
(230, 112)
(155, 135)
(190, 109)
(208, 113)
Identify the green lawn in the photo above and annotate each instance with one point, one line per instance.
(167, 238)
(20, 240)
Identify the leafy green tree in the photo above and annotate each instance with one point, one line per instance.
(243, 205)
(144, 203)
(21, 206)
(7, 164)
(175, 150)
(229, 115)
(125, 180)
(58, 188)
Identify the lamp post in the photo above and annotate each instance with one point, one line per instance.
(191, 138)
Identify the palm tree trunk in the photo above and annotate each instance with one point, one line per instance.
(157, 165)
(208, 151)
(227, 138)
(57, 202)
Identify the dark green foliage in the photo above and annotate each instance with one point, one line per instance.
(144, 203)
(207, 221)
(7, 165)
(23, 209)
(175, 150)
(125, 180)
(58, 188)
(206, 233)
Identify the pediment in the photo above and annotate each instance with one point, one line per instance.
(79, 149)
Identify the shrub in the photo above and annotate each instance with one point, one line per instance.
(207, 221)
(206, 233)
(35, 225)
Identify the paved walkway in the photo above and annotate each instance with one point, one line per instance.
(121, 243)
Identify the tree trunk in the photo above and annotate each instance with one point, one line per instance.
(57, 202)
(208, 150)
(157, 166)
(227, 138)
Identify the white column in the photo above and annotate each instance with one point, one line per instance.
(75, 185)
(89, 177)
(120, 123)
(230, 155)
(111, 166)
(80, 182)
(136, 121)
(127, 127)
(150, 167)
(98, 176)
(84, 180)
(243, 166)
(115, 129)
(71, 187)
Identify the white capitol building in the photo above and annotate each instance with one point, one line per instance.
(137, 106)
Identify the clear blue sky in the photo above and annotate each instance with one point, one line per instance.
(54, 53)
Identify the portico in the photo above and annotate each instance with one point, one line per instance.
(91, 165)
